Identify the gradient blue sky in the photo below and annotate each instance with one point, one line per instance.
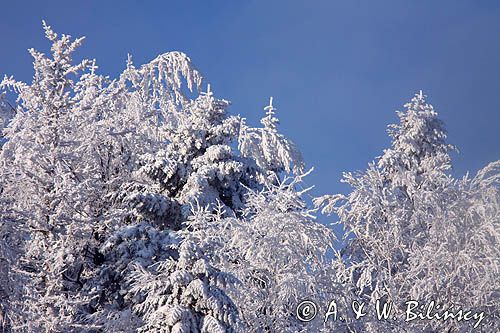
(337, 69)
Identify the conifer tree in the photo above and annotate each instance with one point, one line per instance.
(6, 114)
(274, 154)
(140, 204)
(186, 293)
(277, 252)
(39, 158)
(397, 210)
(196, 163)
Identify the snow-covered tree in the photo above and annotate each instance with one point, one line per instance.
(277, 252)
(196, 163)
(63, 151)
(197, 167)
(184, 294)
(272, 151)
(7, 257)
(38, 138)
(140, 204)
(71, 146)
(458, 264)
(38, 175)
(394, 214)
(105, 299)
(7, 112)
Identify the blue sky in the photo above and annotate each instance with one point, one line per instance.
(337, 69)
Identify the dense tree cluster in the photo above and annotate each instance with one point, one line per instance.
(140, 204)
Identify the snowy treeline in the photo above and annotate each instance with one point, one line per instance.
(140, 204)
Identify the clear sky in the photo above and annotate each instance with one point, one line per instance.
(337, 69)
